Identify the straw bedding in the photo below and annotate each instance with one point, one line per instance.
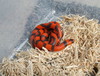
(82, 58)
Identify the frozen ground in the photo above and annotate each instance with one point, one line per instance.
(17, 17)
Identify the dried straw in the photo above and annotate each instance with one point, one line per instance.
(78, 59)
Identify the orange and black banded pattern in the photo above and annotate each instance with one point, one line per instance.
(48, 35)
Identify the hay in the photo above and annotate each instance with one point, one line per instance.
(78, 59)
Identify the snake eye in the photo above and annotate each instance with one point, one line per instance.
(55, 22)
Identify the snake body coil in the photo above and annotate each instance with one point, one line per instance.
(48, 35)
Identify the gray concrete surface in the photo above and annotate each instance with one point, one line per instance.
(13, 16)
(18, 16)
(95, 3)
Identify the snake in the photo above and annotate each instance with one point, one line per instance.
(49, 35)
